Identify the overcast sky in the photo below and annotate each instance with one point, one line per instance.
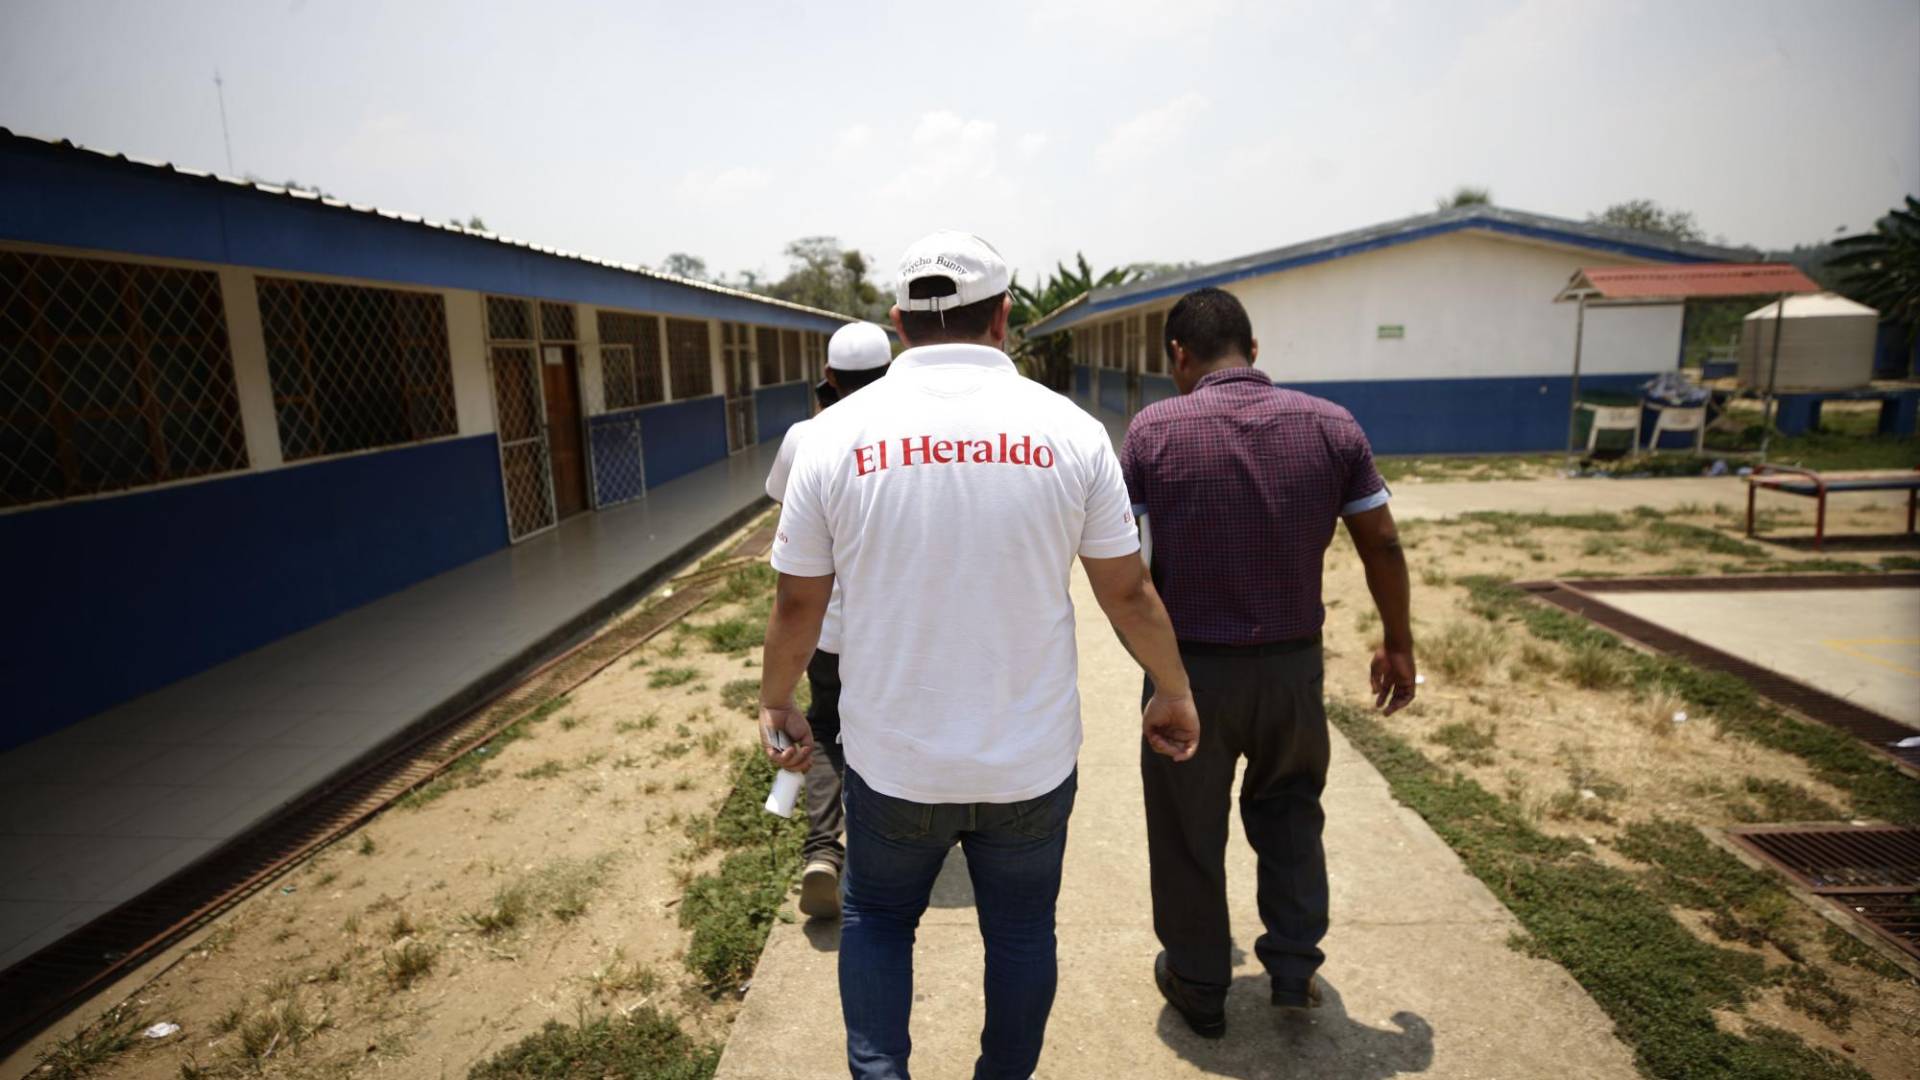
(1164, 131)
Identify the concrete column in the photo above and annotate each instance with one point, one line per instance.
(467, 347)
(252, 380)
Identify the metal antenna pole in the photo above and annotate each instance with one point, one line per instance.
(220, 91)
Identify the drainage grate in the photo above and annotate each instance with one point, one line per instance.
(39, 989)
(1871, 872)
(1878, 732)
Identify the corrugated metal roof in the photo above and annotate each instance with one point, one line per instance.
(1686, 282)
(1493, 219)
(412, 219)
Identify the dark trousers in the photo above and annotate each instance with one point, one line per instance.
(895, 850)
(825, 814)
(1265, 707)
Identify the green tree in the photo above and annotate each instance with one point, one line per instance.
(1882, 268)
(681, 264)
(1465, 195)
(821, 274)
(1049, 358)
(1645, 215)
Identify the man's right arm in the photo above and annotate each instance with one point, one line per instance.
(1128, 598)
(1378, 543)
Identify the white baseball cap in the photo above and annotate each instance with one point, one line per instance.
(975, 268)
(858, 346)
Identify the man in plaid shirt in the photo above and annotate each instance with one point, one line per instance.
(1237, 485)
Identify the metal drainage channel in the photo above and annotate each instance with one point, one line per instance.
(1877, 732)
(43, 987)
(1870, 872)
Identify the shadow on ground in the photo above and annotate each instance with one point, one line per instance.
(1264, 1043)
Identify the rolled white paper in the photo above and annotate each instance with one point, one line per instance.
(786, 783)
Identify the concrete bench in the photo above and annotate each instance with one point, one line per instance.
(1792, 481)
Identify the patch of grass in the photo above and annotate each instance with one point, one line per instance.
(644, 1045)
(1659, 983)
(368, 845)
(1874, 786)
(401, 926)
(510, 905)
(643, 723)
(1844, 948)
(1811, 991)
(1779, 800)
(1899, 562)
(736, 634)
(713, 742)
(281, 1026)
(1604, 547)
(748, 583)
(408, 963)
(620, 975)
(1742, 904)
(665, 677)
(93, 1046)
(1432, 576)
(1704, 539)
(546, 770)
(466, 771)
(1592, 666)
(1465, 653)
(1467, 742)
(742, 694)
(1507, 523)
(731, 909)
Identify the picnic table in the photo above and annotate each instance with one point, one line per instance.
(1788, 480)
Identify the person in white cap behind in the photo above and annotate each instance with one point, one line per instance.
(857, 354)
(948, 502)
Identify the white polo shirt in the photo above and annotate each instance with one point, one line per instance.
(777, 491)
(950, 499)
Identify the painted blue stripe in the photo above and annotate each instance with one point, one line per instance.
(1617, 247)
(780, 407)
(1156, 388)
(133, 592)
(683, 436)
(1509, 414)
(1113, 391)
(53, 196)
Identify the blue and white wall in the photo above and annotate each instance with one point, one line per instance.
(1485, 361)
(110, 596)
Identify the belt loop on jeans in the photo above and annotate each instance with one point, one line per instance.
(1263, 648)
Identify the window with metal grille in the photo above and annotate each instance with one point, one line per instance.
(790, 360)
(354, 367)
(509, 319)
(1156, 342)
(766, 344)
(558, 322)
(816, 345)
(112, 376)
(736, 357)
(636, 376)
(690, 358)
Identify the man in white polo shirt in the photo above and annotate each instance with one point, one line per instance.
(948, 501)
(857, 354)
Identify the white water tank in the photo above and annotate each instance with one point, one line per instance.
(1826, 343)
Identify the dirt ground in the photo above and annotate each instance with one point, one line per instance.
(1585, 763)
(390, 952)
(542, 885)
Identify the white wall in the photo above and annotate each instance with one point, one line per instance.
(1473, 304)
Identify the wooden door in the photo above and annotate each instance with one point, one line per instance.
(561, 375)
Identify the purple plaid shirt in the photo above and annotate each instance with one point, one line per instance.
(1241, 483)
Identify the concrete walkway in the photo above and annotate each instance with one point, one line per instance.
(1421, 979)
(94, 814)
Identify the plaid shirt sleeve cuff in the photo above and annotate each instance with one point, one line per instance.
(1366, 503)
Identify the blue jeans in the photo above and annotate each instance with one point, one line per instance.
(894, 851)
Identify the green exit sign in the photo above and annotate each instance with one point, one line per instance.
(1392, 331)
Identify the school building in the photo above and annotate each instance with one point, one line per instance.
(1438, 331)
(229, 411)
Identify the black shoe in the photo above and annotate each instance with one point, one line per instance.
(1295, 994)
(1204, 1012)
